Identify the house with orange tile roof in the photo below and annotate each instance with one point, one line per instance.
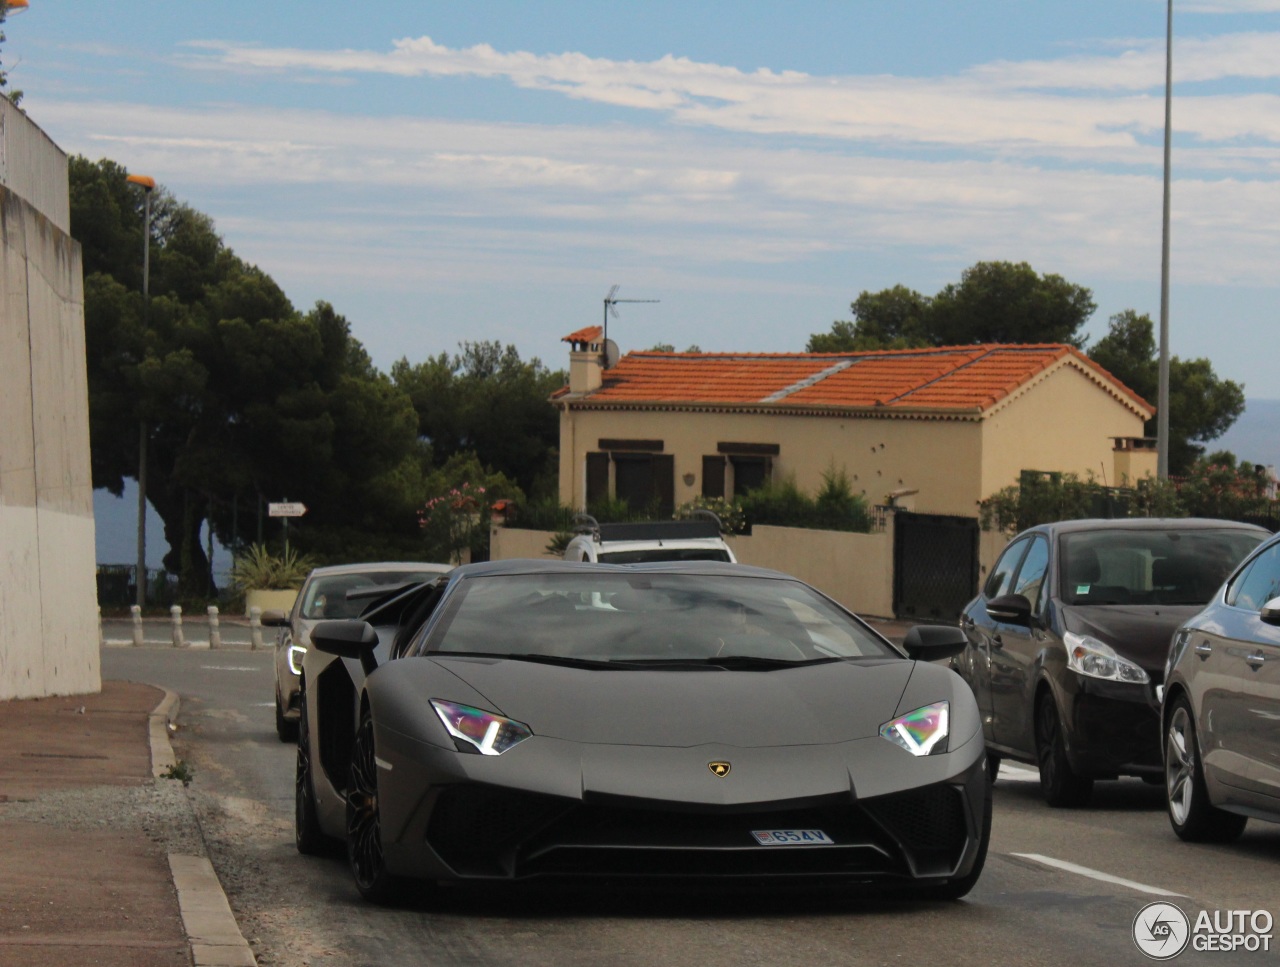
(933, 430)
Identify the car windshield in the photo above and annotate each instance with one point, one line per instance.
(325, 596)
(1131, 566)
(649, 617)
(641, 555)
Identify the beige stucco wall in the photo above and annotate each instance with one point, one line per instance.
(1064, 421)
(48, 599)
(942, 459)
(854, 569)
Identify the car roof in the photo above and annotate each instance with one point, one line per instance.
(365, 567)
(1142, 523)
(551, 566)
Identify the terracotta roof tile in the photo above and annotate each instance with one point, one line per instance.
(950, 377)
(589, 334)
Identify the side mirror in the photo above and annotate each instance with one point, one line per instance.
(274, 618)
(1012, 609)
(1270, 613)
(932, 642)
(347, 639)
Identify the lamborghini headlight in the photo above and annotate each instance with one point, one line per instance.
(486, 732)
(922, 732)
(1089, 656)
(295, 654)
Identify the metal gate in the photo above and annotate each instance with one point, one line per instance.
(935, 565)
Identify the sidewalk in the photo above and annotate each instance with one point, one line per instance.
(102, 861)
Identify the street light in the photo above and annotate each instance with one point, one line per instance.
(1162, 400)
(148, 185)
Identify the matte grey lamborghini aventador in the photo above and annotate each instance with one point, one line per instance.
(525, 719)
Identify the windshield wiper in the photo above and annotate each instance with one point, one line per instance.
(727, 662)
(535, 657)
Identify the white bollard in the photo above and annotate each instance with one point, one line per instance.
(136, 612)
(175, 616)
(215, 636)
(255, 628)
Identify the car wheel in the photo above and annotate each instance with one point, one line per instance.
(364, 821)
(961, 885)
(286, 729)
(993, 765)
(307, 835)
(1060, 785)
(1193, 817)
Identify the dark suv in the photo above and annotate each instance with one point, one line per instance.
(1069, 636)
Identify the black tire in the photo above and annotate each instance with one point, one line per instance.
(1193, 817)
(1060, 785)
(364, 822)
(307, 835)
(286, 729)
(993, 765)
(961, 885)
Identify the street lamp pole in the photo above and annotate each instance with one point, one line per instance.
(1162, 402)
(148, 186)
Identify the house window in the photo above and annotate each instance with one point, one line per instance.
(644, 481)
(713, 476)
(752, 465)
(750, 473)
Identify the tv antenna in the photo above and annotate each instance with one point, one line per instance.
(610, 301)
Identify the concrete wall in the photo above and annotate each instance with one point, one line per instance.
(48, 598)
(854, 569)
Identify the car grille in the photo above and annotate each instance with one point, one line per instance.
(492, 832)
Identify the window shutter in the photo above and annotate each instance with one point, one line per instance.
(597, 477)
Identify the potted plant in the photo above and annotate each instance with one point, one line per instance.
(269, 580)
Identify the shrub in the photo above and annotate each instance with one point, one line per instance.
(257, 569)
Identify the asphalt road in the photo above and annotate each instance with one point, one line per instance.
(1060, 886)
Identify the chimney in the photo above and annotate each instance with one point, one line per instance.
(586, 360)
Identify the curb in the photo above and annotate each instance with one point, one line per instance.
(212, 932)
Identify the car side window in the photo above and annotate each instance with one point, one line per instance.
(1258, 583)
(1002, 574)
(1030, 579)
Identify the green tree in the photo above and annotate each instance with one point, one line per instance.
(890, 319)
(993, 302)
(14, 96)
(1202, 406)
(487, 401)
(244, 398)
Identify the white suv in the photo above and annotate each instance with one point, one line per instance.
(662, 540)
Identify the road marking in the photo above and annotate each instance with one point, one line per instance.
(229, 668)
(1097, 874)
(1012, 773)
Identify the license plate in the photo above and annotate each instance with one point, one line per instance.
(792, 837)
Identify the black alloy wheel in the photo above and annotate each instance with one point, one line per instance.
(307, 835)
(1061, 786)
(364, 820)
(1193, 817)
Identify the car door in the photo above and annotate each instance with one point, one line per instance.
(981, 629)
(1014, 653)
(1254, 649)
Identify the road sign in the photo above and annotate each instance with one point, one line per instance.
(293, 509)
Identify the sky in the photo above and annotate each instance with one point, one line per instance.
(443, 172)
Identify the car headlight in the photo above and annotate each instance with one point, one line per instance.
(487, 733)
(1089, 656)
(295, 656)
(922, 732)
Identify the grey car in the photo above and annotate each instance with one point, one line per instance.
(710, 722)
(1221, 709)
(338, 591)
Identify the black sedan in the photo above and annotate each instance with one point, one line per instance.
(1222, 707)
(531, 719)
(1069, 635)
